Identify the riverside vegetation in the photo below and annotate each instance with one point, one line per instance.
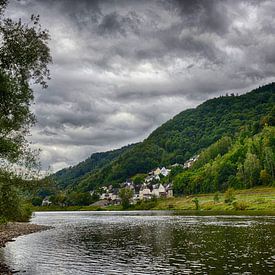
(254, 201)
(24, 56)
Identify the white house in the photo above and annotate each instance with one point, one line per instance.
(104, 196)
(190, 162)
(165, 172)
(46, 202)
(169, 191)
(159, 191)
(145, 193)
(157, 172)
(162, 191)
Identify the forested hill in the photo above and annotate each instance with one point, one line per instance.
(70, 176)
(185, 135)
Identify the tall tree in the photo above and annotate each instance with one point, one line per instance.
(24, 59)
(24, 56)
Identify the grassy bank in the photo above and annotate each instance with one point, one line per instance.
(255, 201)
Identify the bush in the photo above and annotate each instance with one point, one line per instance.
(3, 220)
(229, 195)
(240, 205)
(37, 201)
(196, 201)
(11, 205)
(145, 205)
(126, 195)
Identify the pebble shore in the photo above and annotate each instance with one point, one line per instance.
(13, 230)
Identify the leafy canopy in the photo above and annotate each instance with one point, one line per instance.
(24, 57)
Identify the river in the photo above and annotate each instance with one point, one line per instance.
(144, 242)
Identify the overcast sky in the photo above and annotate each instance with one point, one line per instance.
(122, 68)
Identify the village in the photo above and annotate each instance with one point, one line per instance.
(151, 187)
(156, 184)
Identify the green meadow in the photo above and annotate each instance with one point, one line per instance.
(254, 201)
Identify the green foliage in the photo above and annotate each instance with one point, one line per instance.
(36, 201)
(220, 147)
(240, 205)
(229, 195)
(125, 194)
(214, 123)
(76, 198)
(69, 176)
(3, 220)
(265, 177)
(249, 161)
(24, 56)
(196, 202)
(145, 204)
(12, 207)
(138, 178)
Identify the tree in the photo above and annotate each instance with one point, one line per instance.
(229, 195)
(125, 194)
(37, 201)
(269, 161)
(24, 56)
(251, 169)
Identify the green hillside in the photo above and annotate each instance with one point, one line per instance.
(70, 176)
(245, 163)
(185, 135)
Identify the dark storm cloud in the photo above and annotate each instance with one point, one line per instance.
(122, 68)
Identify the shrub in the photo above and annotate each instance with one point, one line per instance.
(229, 195)
(37, 201)
(126, 195)
(241, 205)
(196, 201)
(11, 205)
(3, 220)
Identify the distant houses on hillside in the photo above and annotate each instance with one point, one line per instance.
(151, 187)
(154, 185)
(190, 162)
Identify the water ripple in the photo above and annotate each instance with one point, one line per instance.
(145, 243)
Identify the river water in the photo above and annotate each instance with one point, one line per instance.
(144, 242)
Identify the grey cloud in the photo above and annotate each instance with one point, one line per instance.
(122, 68)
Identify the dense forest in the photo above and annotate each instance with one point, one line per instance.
(245, 163)
(222, 120)
(69, 176)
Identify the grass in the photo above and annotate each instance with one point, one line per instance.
(254, 201)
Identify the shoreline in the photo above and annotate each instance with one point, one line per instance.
(10, 231)
(182, 212)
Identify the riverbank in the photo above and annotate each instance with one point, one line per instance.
(254, 201)
(13, 230)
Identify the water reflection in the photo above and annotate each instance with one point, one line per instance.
(145, 243)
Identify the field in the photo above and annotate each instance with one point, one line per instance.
(255, 201)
